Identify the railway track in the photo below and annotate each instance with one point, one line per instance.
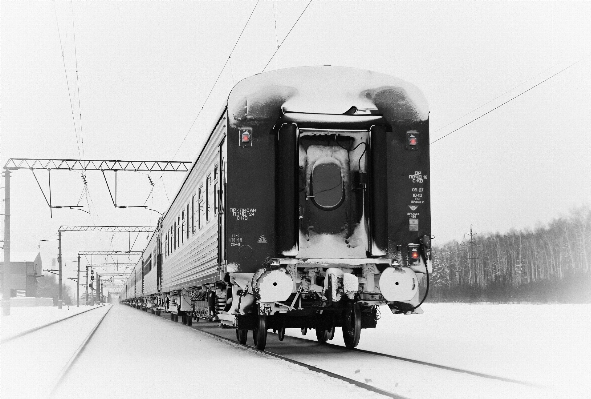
(32, 330)
(36, 361)
(68, 366)
(386, 375)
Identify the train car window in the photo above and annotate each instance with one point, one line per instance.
(178, 231)
(166, 245)
(327, 186)
(188, 220)
(215, 191)
(201, 207)
(207, 198)
(175, 241)
(193, 214)
(183, 227)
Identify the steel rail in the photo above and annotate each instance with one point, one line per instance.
(64, 371)
(358, 384)
(419, 362)
(26, 332)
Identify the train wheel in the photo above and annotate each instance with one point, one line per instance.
(261, 333)
(352, 326)
(304, 331)
(242, 336)
(281, 334)
(322, 335)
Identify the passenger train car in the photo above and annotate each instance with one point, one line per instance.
(308, 207)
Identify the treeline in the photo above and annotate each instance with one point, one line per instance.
(48, 287)
(547, 264)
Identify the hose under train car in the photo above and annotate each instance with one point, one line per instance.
(426, 290)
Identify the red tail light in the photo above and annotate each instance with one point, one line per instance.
(245, 137)
(413, 254)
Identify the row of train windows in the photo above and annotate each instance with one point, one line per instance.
(200, 211)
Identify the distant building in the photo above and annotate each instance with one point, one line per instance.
(23, 277)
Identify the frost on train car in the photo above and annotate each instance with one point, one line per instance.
(327, 200)
(308, 207)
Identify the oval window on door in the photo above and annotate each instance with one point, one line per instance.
(326, 186)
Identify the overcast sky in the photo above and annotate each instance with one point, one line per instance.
(134, 77)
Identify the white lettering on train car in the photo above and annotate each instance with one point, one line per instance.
(243, 213)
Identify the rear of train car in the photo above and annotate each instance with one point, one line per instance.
(309, 207)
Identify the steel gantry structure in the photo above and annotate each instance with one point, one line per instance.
(110, 229)
(82, 165)
(105, 253)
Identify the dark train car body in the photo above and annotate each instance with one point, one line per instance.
(308, 207)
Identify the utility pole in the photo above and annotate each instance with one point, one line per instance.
(59, 259)
(86, 282)
(471, 255)
(98, 288)
(78, 284)
(6, 267)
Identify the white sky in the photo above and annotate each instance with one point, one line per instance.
(146, 68)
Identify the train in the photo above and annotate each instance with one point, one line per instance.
(308, 208)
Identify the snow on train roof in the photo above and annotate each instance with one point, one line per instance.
(325, 90)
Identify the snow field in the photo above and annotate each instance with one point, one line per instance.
(547, 345)
(22, 319)
(31, 364)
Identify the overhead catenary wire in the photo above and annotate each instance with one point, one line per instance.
(228, 59)
(67, 78)
(81, 137)
(508, 101)
(217, 79)
(80, 125)
(77, 127)
(490, 101)
(287, 35)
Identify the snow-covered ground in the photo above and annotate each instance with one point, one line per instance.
(31, 364)
(137, 355)
(134, 354)
(549, 345)
(25, 318)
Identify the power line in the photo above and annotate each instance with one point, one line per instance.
(210, 92)
(217, 79)
(67, 79)
(286, 36)
(488, 102)
(508, 101)
(77, 82)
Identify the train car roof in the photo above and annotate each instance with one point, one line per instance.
(325, 90)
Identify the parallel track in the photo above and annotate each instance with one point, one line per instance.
(48, 351)
(308, 366)
(222, 335)
(26, 332)
(68, 366)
